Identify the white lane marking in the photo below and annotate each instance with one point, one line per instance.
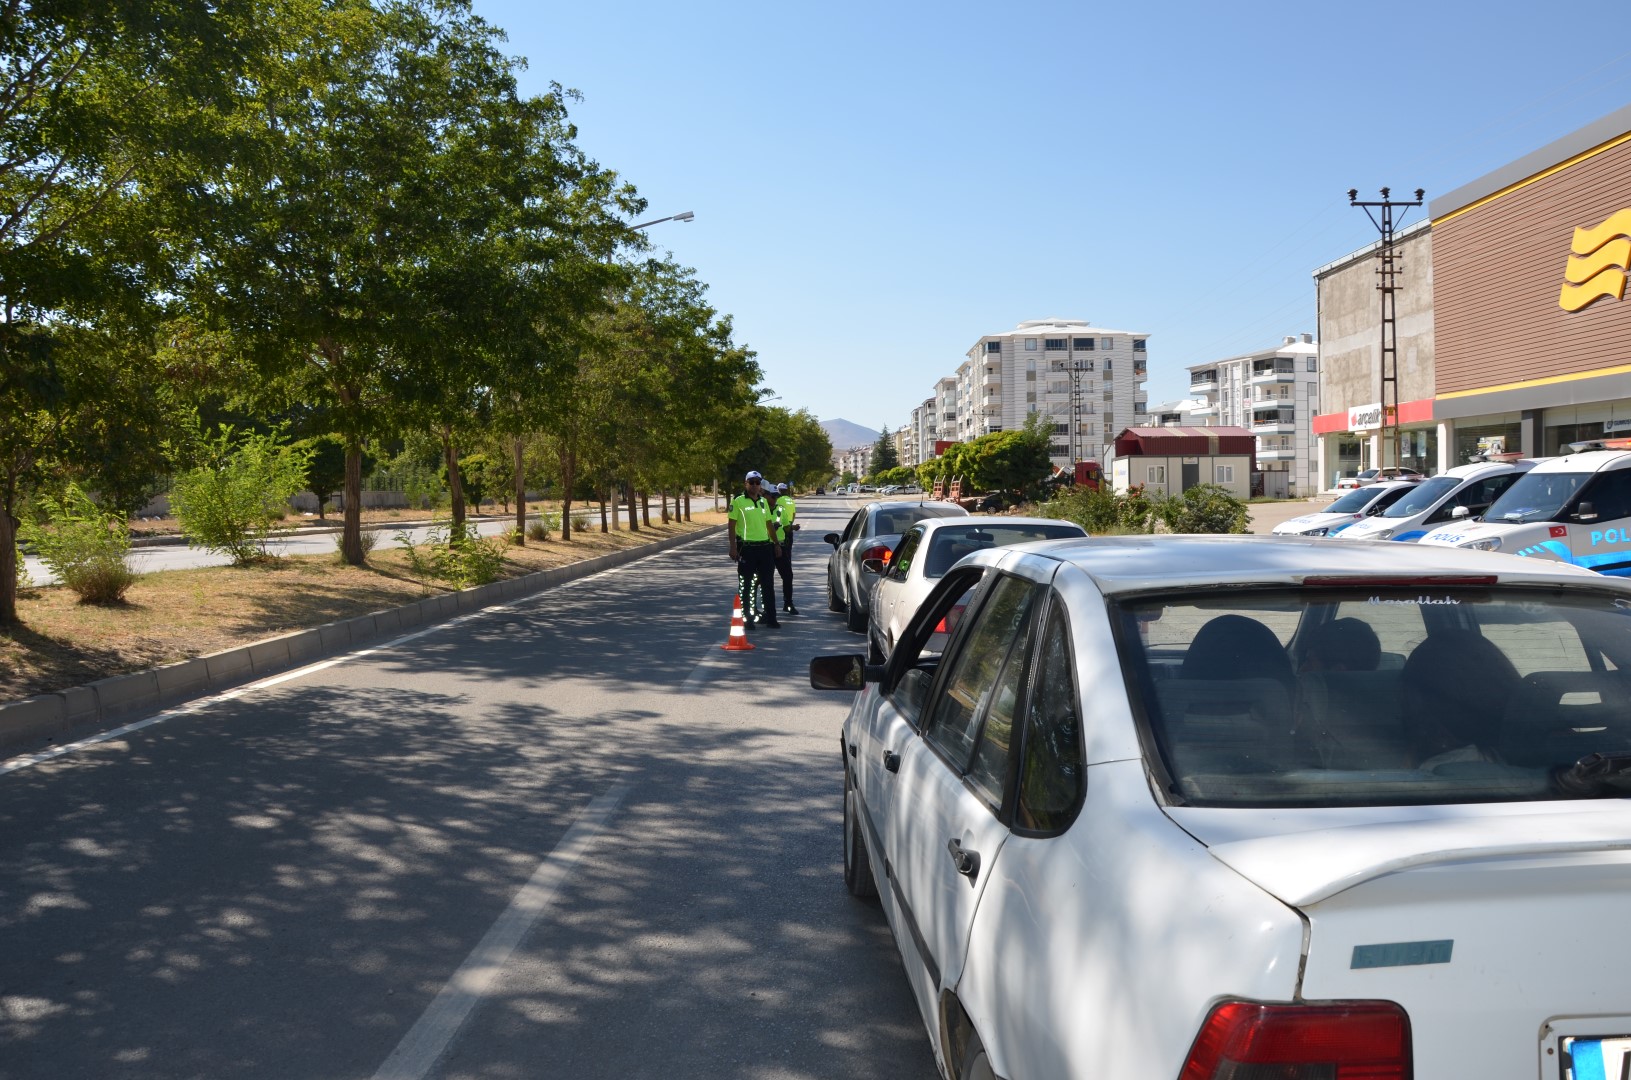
(432, 1035)
(24, 761)
(699, 676)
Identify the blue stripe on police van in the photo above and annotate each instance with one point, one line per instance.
(1588, 1061)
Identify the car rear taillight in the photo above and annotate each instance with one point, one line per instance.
(948, 621)
(1350, 1040)
(877, 551)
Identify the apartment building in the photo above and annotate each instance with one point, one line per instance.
(1273, 393)
(1087, 380)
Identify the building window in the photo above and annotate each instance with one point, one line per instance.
(1107, 363)
(1053, 343)
(1082, 344)
(1313, 363)
(1157, 474)
(993, 346)
(1030, 344)
(1107, 343)
(1225, 474)
(1030, 363)
(1030, 395)
(1031, 407)
(1138, 345)
(1061, 429)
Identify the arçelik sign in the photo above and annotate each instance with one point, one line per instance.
(1365, 417)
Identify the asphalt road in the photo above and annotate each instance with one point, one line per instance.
(570, 837)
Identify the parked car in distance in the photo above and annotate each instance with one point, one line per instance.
(1574, 509)
(1356, 505)
(930, 548)
(1250, 806)
(871, 533)
(1376, 476)
(1436, 500)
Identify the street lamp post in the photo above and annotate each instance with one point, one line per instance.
(686, 216)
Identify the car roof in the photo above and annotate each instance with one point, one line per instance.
(1481, 468)
(895, 504)
(1587, 461)
(1126, 564)
(931, 524)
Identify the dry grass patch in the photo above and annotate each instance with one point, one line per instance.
(178, 614)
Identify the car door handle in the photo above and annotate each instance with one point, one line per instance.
(891, 761)
(966, 860)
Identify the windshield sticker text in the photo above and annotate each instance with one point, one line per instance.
(1417, 601)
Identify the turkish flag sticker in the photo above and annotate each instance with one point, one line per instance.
(1560, 530)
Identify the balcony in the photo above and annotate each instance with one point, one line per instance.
(1202, 381)
(992, 407)
(1279, 453)
(1279, 422)
(1209, 411)
(1260, 403)
(1141, 368)
(993, 377)
(1278, 371)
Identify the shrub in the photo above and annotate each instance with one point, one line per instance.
(368, 538)
(235, 501)
(84, 546)
(580, 521)
(1102, 512)
(1205, 508)
(539, 530)
(472, 560)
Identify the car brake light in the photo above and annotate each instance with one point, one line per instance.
(948, 621)
(1349, 1040)
(877, 551)
(1414, 581)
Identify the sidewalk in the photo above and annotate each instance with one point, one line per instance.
(1265, 516)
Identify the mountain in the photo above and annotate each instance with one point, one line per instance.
(845, 435)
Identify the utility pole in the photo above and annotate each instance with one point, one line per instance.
(1387, 273)
(1076, 368)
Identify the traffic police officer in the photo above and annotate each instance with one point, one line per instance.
(786, 511)
(754, 549)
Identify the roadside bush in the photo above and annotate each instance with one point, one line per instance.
(235, 501)
(85, 546)
(538, 530)
(471, 560)
(1204, 508)
(580, 522)
(368, 538)
(1102, 512)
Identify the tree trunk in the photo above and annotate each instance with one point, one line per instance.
(687, 504)
(455, 489)
(351, 535)
(8, 559)
(628, 496)
(520, 497)
(662, 501)
(569, 477)
(645, 508)
(603, 526)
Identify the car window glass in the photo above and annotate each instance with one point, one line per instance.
(973, 678)
(1398, 629)
(854, 527)
(1423, 495)
(1610, 495)
(924, 640)
(1051, 772)
(905, 554)
(989, 768)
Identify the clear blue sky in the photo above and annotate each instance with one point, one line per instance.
(877, 185)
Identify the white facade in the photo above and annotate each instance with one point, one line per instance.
(1273, 393)
(1031, 368)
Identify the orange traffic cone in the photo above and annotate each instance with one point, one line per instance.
(738, 641)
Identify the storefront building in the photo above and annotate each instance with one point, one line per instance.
(1513, 328)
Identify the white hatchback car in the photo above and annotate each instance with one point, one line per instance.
(928, 550)
(1227, 807)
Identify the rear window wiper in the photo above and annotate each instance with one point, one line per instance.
(1596, 774)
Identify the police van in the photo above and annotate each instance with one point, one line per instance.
(1466, 490)
(1574, 509)
(1356, 505)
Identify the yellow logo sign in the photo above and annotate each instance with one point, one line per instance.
(1602, 255)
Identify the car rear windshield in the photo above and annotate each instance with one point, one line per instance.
(1383, 695)
(897, 519)
(1422, 496)
(1536, 497)
(952, 542)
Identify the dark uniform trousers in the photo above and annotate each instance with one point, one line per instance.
(756, 572)
(784, 567)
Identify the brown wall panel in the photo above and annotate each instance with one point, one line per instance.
(1498, 271)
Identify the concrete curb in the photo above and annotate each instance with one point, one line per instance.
(47, 719)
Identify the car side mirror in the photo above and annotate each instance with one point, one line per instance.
(1460, 512)
(1585, 512)
(843, 672)
(873, 566)
(832, 538)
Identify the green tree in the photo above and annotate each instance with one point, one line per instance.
(325, 468)
(235, 498)
(884, 457)
(1204, 508)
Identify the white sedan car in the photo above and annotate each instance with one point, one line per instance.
(928, 550)
(1227, 807)
(1357, 505)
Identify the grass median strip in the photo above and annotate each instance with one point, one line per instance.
(178, 614)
